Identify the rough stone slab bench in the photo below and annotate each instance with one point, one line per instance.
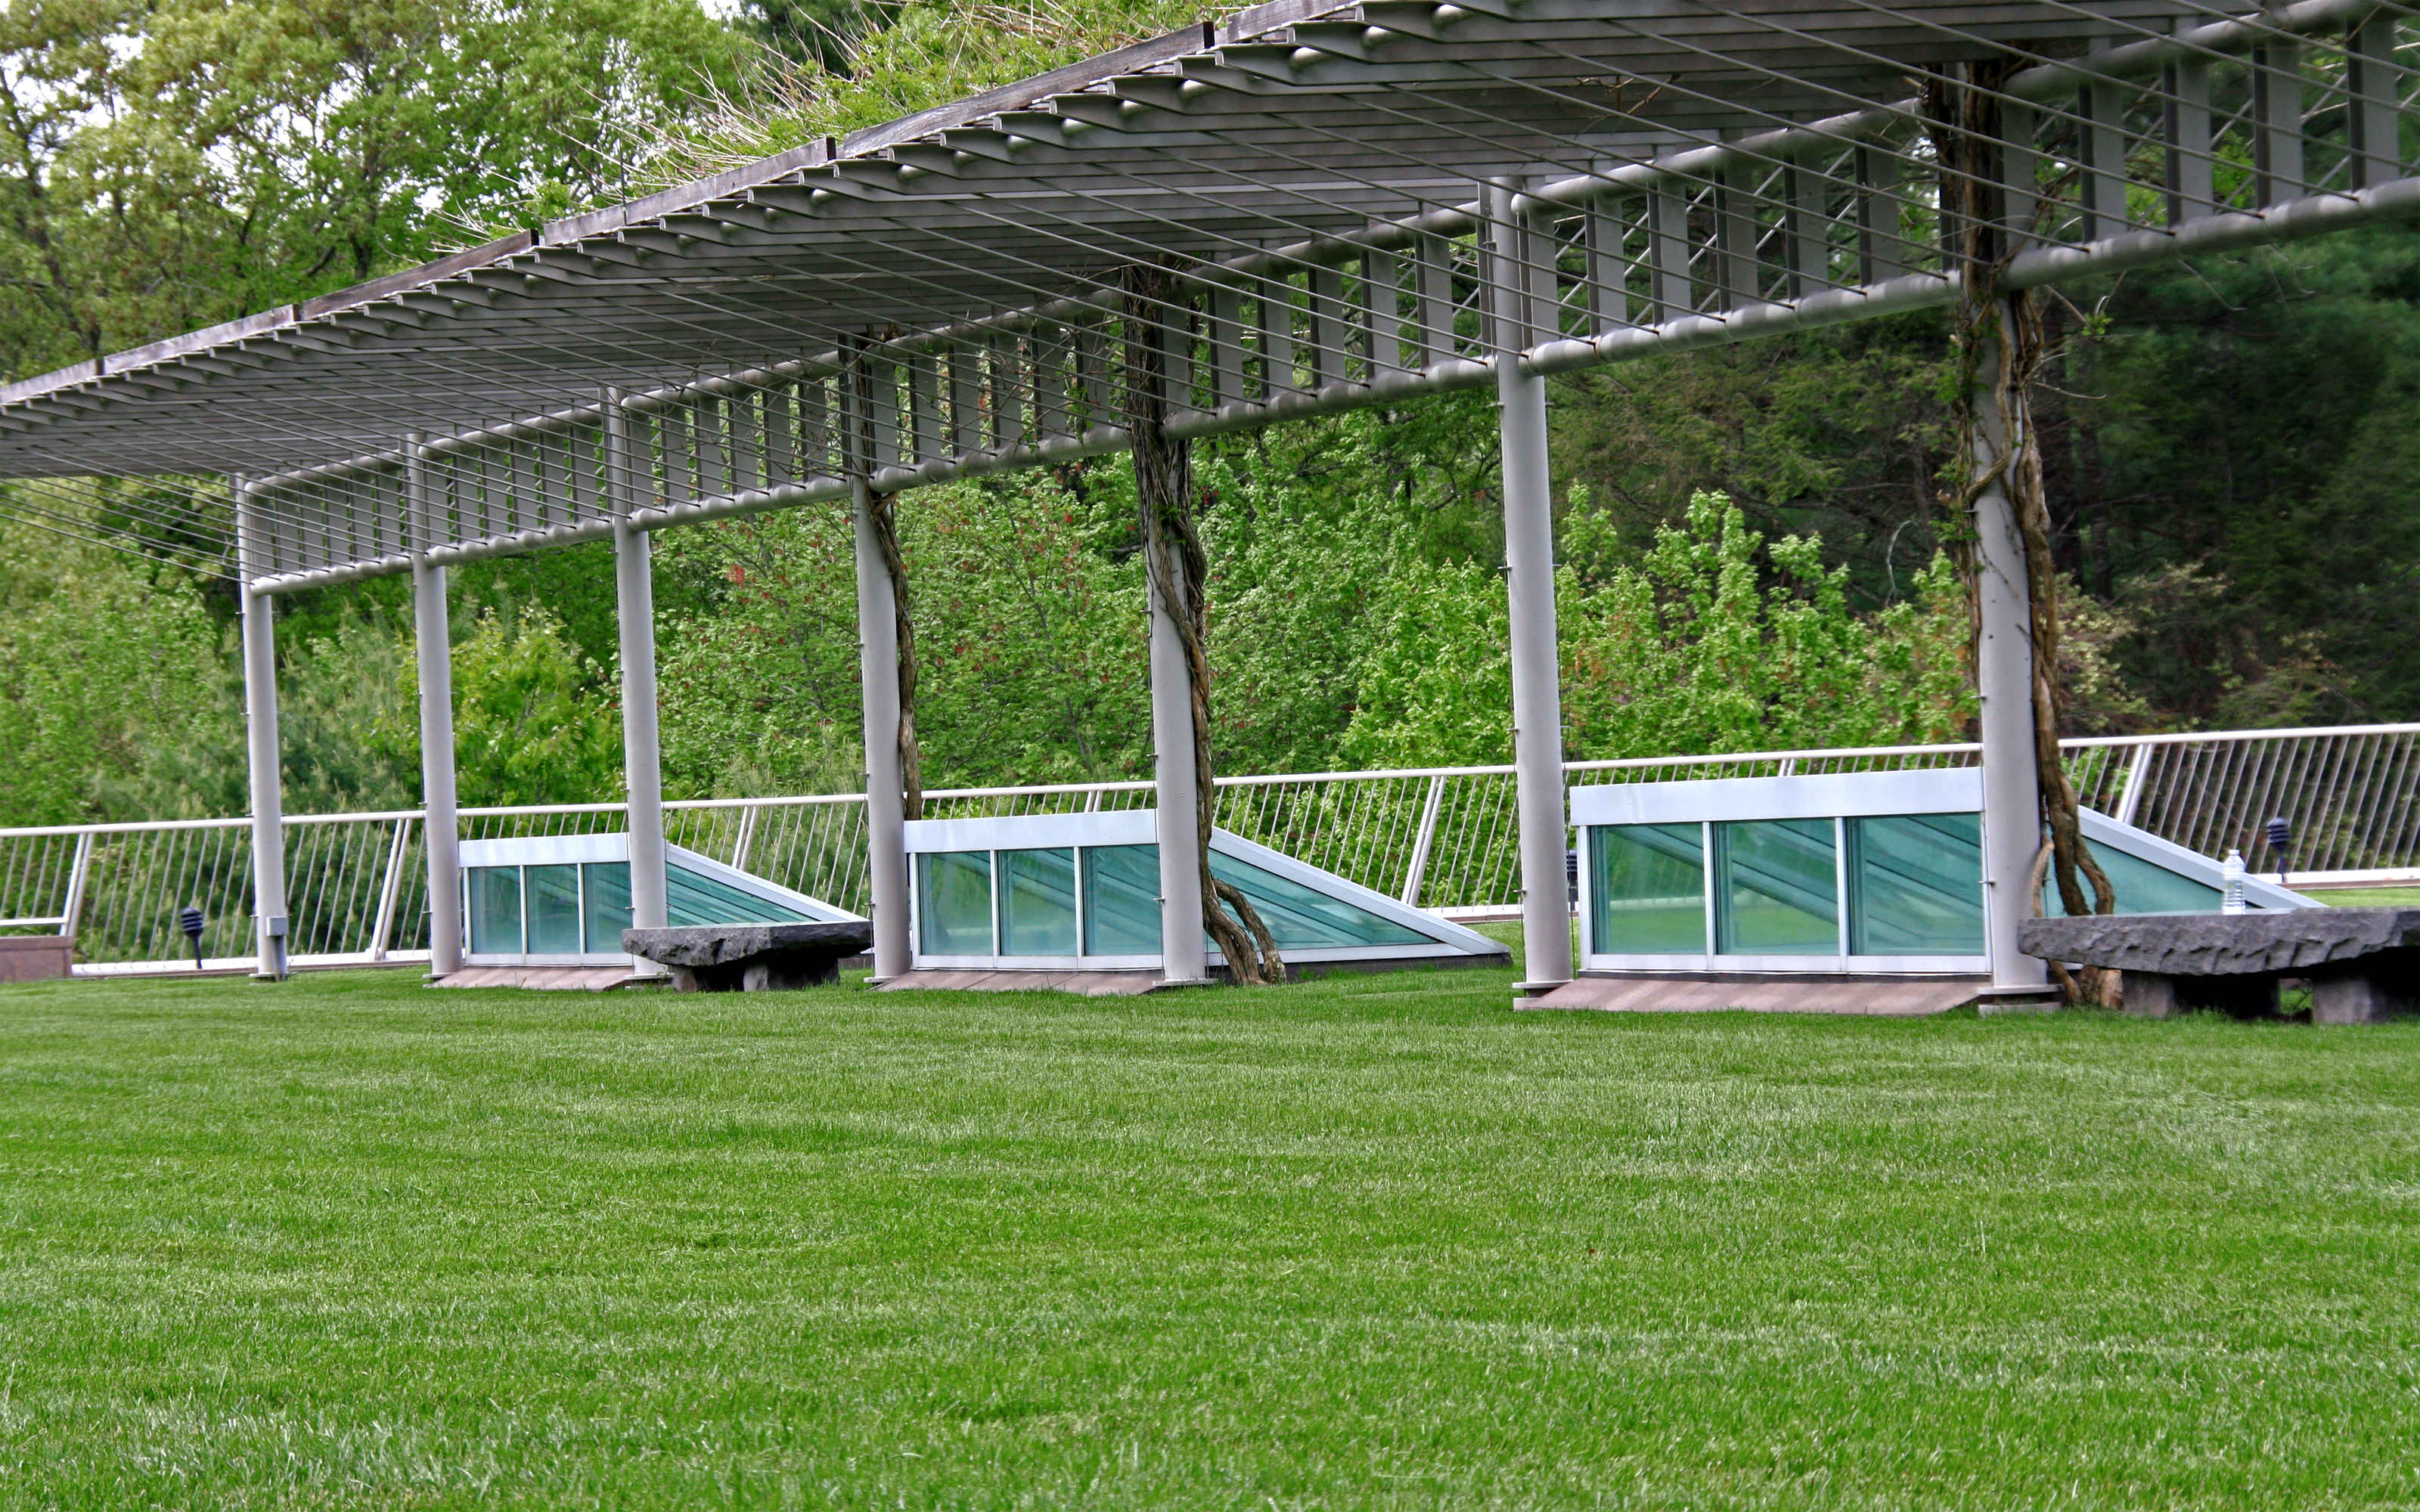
(2362, 963)
(754, 958)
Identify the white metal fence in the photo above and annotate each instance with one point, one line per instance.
(1442, 838)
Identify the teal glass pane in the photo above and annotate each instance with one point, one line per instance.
(1776, 888)
(1647, 890)
(1121, 900)
(553, 904)
(2143, 888)
(693, 899)
(495, 910)
(1299, 918)
(608, 885)
(1916, 885)
(1037, 902)
(953, 902)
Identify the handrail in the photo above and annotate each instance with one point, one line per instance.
(1262, 779)
(1439, 836)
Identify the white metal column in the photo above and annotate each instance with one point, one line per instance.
(1529, 584)
(433, 649)
(634, 612)
(1182, 957)
(886, 839)
(2004, 676)
(261, 729)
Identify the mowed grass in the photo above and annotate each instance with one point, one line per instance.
(1376, 1242)
(2369, 897)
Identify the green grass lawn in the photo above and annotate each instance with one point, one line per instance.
(2369, 897)
(1373, 1243)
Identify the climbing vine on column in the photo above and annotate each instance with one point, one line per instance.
(1180, 570)
(2000, 342)
(882, 510)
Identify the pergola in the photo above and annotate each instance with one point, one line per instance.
(1347, 205)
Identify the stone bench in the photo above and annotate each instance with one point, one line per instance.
(2362, 963)
(36, 957)
(755, 958)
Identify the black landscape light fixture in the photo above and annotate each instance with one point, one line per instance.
(2281, 835)
(189, 918)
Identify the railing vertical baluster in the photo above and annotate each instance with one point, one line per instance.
(965, 402)
(2374, 117)
(746, 834)
(2277, 109)
(1277, 336)
(1811, 247)
(2132, 800)
(1435, 280)
(2192, 185)
(2100, 140)
(1382, 280)
(1326, 327)
(1608, 271)
(383, 927)
(1735, 263)
(2020, 174)
(1880, 251)
(1421, 842)
(1667, 244)
(78, 869)
(923, 409)
(1223, 328)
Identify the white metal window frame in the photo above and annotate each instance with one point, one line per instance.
(592, 849)
(1838, 797)
(1080, 832)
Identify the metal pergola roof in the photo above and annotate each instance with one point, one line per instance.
(1686, 171)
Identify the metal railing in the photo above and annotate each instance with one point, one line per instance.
(1442, 838)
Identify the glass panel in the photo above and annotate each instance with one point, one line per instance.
(1301, 920)
(553, 893)
(954, 901)
(1916, 885)
(2143, 888)
(1777, 891)
(1037, 902)
(1647, 887)
(608, 904)
(691, 899)
(495, 910)
(1122, 899)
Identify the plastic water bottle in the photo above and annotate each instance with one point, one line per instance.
(2233, 877)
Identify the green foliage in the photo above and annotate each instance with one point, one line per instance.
(1029, 644)
(164, 167)
(1307, 527)
(2235, 463)
(1696, 648)
(96, 656)
(834, 67)
(1837, 433)
(530, 722)
(758, 685)
(1037, 642)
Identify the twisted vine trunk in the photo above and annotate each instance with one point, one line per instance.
(882, 510)
(2001, 348)
(1180, 570)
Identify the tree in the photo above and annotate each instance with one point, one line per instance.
(97, 655)
(1715, 642)
(168, 166)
